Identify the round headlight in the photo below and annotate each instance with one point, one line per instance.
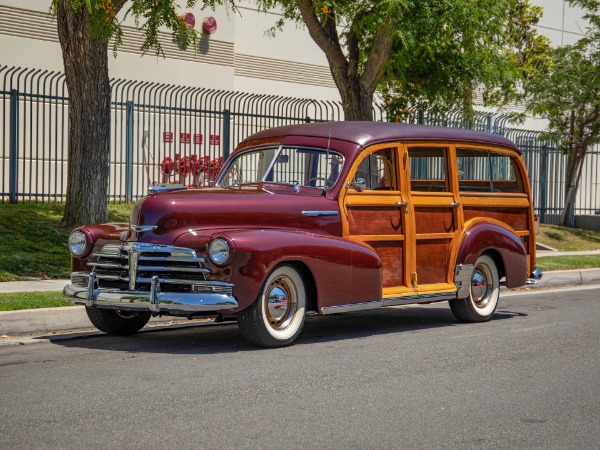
(77, 243)
(219, 251)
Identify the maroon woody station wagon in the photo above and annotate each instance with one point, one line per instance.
(329, 218)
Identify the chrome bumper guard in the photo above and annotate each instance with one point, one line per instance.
(83, 290)
(535, 276)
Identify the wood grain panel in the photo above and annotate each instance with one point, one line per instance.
(432, 261)
(374, 220)
(391, 254)
(513, 217)
(434, 220)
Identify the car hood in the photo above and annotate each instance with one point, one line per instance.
(162, 217)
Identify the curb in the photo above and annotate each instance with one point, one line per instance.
(22, 323)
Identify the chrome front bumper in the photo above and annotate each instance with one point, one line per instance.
(155, 301)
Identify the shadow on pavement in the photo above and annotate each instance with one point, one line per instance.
(226, 337)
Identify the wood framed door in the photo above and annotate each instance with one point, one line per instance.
(436, 214)
(376, 213)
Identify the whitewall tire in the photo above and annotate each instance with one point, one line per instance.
(484, 293)
(276, 317)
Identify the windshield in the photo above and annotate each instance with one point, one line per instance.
(301, 166)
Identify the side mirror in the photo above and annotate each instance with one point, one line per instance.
(359, 184)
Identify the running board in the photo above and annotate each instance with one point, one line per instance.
(392, 301)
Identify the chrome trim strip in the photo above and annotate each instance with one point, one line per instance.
(352, 307)
(462, 279)
(172, 268)
(393, 301)
(319, 213)
(414, 299)
(142, 228)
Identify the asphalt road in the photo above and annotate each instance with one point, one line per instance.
(408, 377)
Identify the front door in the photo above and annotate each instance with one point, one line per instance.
(376, 211)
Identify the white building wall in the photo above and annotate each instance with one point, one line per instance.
(237, 57)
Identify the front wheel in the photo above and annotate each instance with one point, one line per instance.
(114, 321)
(276, 317)
(484, 292)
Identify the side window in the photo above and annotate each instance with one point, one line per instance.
(428, 169)
(377, 172)
(485, 171)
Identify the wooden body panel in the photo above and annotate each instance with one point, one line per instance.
(420, 241)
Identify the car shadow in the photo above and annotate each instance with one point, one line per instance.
(211, 338)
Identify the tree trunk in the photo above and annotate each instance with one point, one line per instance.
(356, 102)
(573, 176)
(86, 69)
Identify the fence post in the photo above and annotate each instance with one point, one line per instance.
(14, 146)
(226, 133)
(129, 152)
(421, 117)
(307, 119)
(543, 183)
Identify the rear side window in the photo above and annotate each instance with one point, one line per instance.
(428, 170)
(486, 171)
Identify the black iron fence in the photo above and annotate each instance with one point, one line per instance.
(170, 133)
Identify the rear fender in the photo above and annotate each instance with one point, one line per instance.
(496, 238)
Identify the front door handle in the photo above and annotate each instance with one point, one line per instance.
(401, 203)
(455, 204)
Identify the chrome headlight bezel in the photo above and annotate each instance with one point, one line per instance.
(79, 244)
(220, 251)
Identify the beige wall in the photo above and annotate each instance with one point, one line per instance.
(238, 57)
(562, 23)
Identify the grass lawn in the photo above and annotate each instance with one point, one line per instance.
(31, 300)
(33, 244)
(568, 239)
(549, 263)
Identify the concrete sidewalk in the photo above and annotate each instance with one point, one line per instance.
(55, 320)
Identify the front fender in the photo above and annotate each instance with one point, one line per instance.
(344, 271)
(493, 236)
(99, 235)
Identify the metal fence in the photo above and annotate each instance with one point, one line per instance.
(170, 133)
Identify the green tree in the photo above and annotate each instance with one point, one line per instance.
(428, 51)
(567, 94)
(85, 28)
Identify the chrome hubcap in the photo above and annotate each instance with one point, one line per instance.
(481, 287)
(281, 303)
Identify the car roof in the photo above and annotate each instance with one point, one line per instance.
(368, 133)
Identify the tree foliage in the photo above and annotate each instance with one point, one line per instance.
(426, 52)
(84, 29)
(567, 94)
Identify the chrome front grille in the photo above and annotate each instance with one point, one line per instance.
(132, 266)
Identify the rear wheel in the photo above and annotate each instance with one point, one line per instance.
(276, 317)
(114, 321)
(484, 292)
